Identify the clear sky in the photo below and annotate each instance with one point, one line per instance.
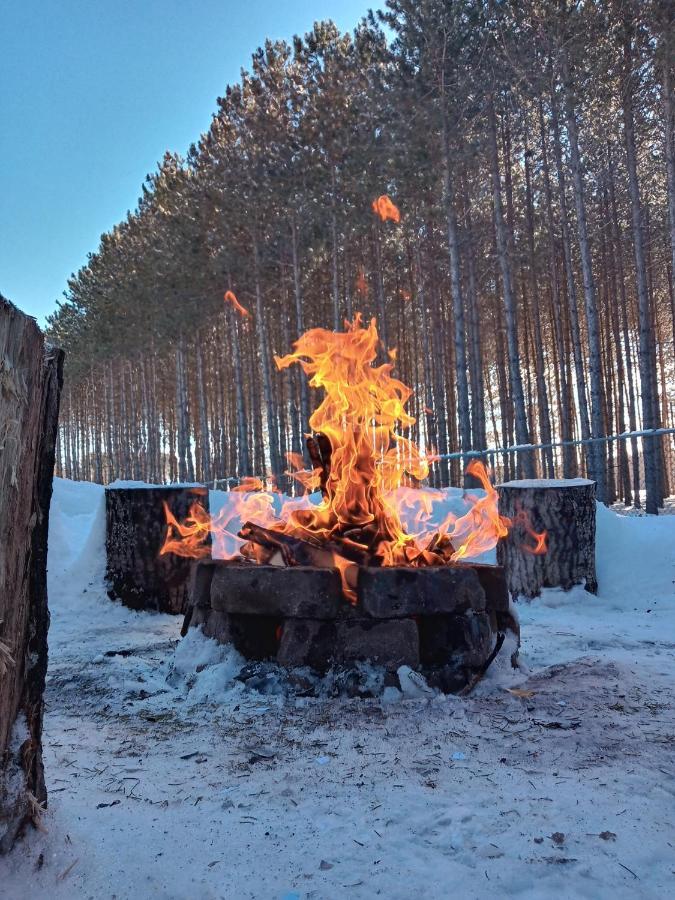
(92, 92)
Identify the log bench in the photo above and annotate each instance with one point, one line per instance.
(565, 510)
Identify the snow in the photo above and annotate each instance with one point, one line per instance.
(167, 779)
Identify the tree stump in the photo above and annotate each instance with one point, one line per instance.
(30, 386)
(135, 530)
(565, 509)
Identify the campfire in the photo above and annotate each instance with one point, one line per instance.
(374, 516)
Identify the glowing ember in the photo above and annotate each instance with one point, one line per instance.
(368, 474)
(231, 298)
(386, 209)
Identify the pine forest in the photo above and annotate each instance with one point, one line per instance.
(493, 182)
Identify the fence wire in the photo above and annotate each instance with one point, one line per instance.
(629, 484)
(526, 448)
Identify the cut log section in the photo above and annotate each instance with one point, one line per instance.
(565, 510)
(30, 385)
(135, 531)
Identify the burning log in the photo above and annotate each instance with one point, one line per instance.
(30, 382)
(319, 450)
(138, 574)
(552, 541)
(266, 546)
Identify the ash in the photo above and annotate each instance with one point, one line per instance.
(175, 770)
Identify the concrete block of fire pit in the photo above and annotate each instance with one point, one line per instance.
(392, 644)
(466, 639)
(218, 625)
(198, 615)
(320, 644)
(306, 642)
(388, 592)
(199, 582)
(493, 582)
(298, 591)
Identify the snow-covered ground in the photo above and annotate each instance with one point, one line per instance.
(169, 782)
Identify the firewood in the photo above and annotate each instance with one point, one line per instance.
(319, 449)
(294, 551)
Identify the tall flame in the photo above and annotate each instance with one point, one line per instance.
(373, 509)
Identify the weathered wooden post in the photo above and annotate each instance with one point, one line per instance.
(135, 531)
(30, 386)
(565, 510)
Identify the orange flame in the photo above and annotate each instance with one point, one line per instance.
(540, 538)
(386, 209)
(373, 510)
(231, 298)
(190, 537)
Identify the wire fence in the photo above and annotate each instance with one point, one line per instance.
(624, 464)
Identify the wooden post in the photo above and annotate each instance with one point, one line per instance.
(30, 386)
(565, 509)
(135, 531)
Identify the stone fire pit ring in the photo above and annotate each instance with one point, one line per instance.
(441, 621)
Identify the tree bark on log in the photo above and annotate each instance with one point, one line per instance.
(30, 386)
(135, 530)
(565, 509)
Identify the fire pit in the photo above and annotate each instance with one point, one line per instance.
(443, 622)
(368, 573)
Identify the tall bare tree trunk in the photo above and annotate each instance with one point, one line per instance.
(569, 462)
(522, 430)
(573, 306)
(666, 52)
(300, 327)
(542, 392)
(261, 327)
(463, 413)
(204, 439)
(650, 448)
(476, 356)
(592, 320)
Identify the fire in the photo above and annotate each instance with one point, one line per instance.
(231, 298)
(540, 538)
(386, 209)
(373, 509)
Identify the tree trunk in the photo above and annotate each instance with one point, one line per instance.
(300, 327)
(204, 441)
(270, 406)
(463, 413)
(564, 410)
(29, 404)
(135, 530)
(592, 321)
(646, 328)
(667, 48)
(542, 392)
(522, 430)
(565, 510)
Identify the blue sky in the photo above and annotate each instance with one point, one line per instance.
(92, 92)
